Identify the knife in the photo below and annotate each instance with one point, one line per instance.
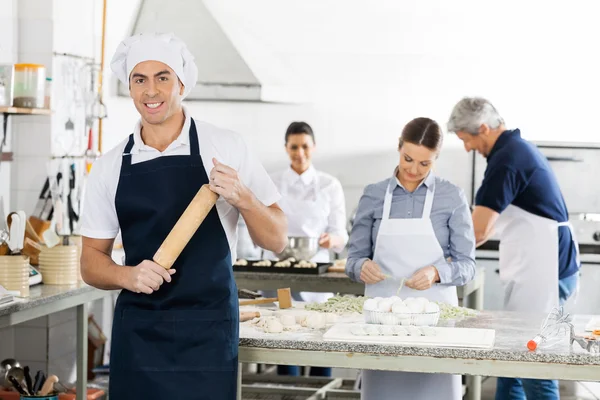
(38, 376)
(28, 379)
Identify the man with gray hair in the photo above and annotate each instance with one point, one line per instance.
(521, 200)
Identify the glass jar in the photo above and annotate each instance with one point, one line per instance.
(48, 93)
(29, 91)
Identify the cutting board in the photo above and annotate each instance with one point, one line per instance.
(445, 337)
(593, 324)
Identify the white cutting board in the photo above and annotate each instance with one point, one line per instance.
(593, 324)
(445, 337)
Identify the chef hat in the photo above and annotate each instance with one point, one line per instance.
(163, 47)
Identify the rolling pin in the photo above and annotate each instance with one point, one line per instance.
(186, 226)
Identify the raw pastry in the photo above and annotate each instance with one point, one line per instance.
(314, 321)
(273, 326)
(263, 263)
(305, 264)
(331, 318)
(287, 320)
(283, 264)
(241, 262)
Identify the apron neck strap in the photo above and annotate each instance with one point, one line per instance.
(126, 163)
(428, 203)
(194, 146)
(387, 202)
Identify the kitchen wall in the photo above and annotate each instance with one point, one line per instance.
(371, 67)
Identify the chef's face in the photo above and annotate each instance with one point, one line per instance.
(156, 91)
(300, 147)
(415, 162)
(478, 143)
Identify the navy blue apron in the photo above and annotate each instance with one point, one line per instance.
(180, 342)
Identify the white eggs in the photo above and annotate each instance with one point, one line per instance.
(432, 307)
(370, 305)
(385, 305)
(393, 311)
(399, 308)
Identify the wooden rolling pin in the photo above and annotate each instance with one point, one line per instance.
(248, 315)
(185, 227)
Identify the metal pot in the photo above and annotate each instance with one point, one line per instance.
(300, 247)
(5, 366)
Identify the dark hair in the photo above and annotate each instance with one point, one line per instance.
(297, 128)
(422, 131)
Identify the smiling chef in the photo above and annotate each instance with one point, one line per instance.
(175, 332)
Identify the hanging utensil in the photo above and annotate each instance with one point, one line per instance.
(17, 385)
(28, 379)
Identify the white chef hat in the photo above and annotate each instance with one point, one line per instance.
(163, 47)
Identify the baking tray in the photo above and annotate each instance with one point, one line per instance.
(321, 268)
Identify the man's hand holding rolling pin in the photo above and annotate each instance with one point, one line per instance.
(226, 182)
(147, 277)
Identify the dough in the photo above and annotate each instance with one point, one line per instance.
(331, 318)
(314, 321)
(273, 326)
(263, 263)
(287, 320)
(283, 264)
(432, 307)
(241, 262)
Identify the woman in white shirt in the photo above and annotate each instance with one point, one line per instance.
(313, 201)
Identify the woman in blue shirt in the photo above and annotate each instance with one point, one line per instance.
(417, 226)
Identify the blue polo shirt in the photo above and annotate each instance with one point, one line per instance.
(517, 173)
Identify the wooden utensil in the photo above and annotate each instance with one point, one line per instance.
(185, 227)
(248, 315)
(336, 268)
(284, 297)
(39, 226)
(48, 386)
(32, 250)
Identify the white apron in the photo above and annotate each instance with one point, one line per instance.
(529, 260)
(306, 218)
(404, 246)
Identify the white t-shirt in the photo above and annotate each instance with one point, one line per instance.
(301, 187)
(99, 217)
